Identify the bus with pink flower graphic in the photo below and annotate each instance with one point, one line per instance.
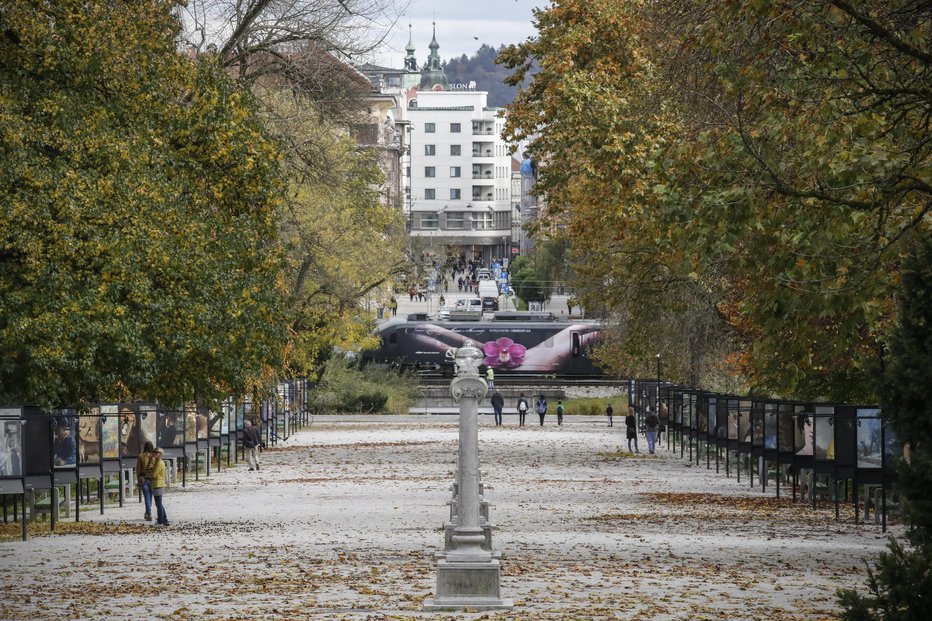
(544, 347)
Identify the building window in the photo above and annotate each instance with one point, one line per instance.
(430, 149)
(454, 128)
(430, 171)
(454, 194)
(429, 220)
(430, 194)
(481, 221)
(455, 171)
(430, 128)
(456, 149)
(455, 220)
(408, 172)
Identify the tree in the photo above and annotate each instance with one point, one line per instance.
(343, 240)
(138, 256)
(900, 584)
(757, 167)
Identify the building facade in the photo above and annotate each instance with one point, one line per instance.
(457, 181)
(460, 176)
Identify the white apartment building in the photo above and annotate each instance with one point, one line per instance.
(459, 200)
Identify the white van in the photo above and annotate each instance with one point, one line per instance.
(488, 293)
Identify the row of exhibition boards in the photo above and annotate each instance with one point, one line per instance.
(41, 449)
(838, 443)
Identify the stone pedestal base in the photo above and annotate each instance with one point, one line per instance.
(448, 536)
(468, 585)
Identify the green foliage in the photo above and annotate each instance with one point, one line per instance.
(900, 586)
(592, 406)
(738, 179)
(138, 252)
(527, 282)
(483, 68)
(345, 388)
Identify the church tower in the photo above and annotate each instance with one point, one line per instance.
(412, 75)
(432, 75)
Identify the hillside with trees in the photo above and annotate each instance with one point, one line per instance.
(488, 76)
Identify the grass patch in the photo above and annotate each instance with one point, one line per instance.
(595, 406)
(345, 388)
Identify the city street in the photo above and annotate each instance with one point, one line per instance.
(342, 522)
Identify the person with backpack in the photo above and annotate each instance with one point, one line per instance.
(632, 430)
(498, 402)
(608, 412)
(560, 412)
(523, 406)
(651, 424)
(541, 408)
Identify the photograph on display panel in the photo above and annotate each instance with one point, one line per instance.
(170, 431)
(110, 431)
(215, 422)
(241, 410)
(89, 437)
(869, 438)
(802, 435)
(64, 443)
(770, 426)
(733, 420)
(824, 433)
(702, 416)
(148, 425)
(757, 423)
(190, 423)
(129, 432)
(785, 422)
(11, 445)
(202, 423)
(744, 425)
(713, 418)
(227, 410)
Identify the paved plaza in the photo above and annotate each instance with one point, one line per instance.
(342, 522)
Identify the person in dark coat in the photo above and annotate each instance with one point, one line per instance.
(608, 412)
(498, 402)
(541, 408)
(523, 407)
(251, 441)
(632, 430)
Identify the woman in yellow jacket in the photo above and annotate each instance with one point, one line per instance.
(158, 488)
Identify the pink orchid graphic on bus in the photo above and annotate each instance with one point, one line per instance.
(503, 353)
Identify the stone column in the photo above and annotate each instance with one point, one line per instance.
(468, 576)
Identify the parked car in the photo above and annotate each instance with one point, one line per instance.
(483, 274)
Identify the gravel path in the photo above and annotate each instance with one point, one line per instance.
(342, 523)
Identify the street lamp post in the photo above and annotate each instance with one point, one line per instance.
(468, 575)
(657, 401)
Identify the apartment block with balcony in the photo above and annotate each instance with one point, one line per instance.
(460, 175)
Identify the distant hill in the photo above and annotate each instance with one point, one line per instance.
(489, 77)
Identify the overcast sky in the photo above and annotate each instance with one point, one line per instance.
(462, 26)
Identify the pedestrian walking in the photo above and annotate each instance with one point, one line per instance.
(523, 407)
(158, 488)
(443, 300)
(498, 402)
(651, 424)
(145, 463)
(541, 405)
(251, 442)
(608, 412)
(560, 412)
(490, 378)
(631, 429)
(393, 305)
